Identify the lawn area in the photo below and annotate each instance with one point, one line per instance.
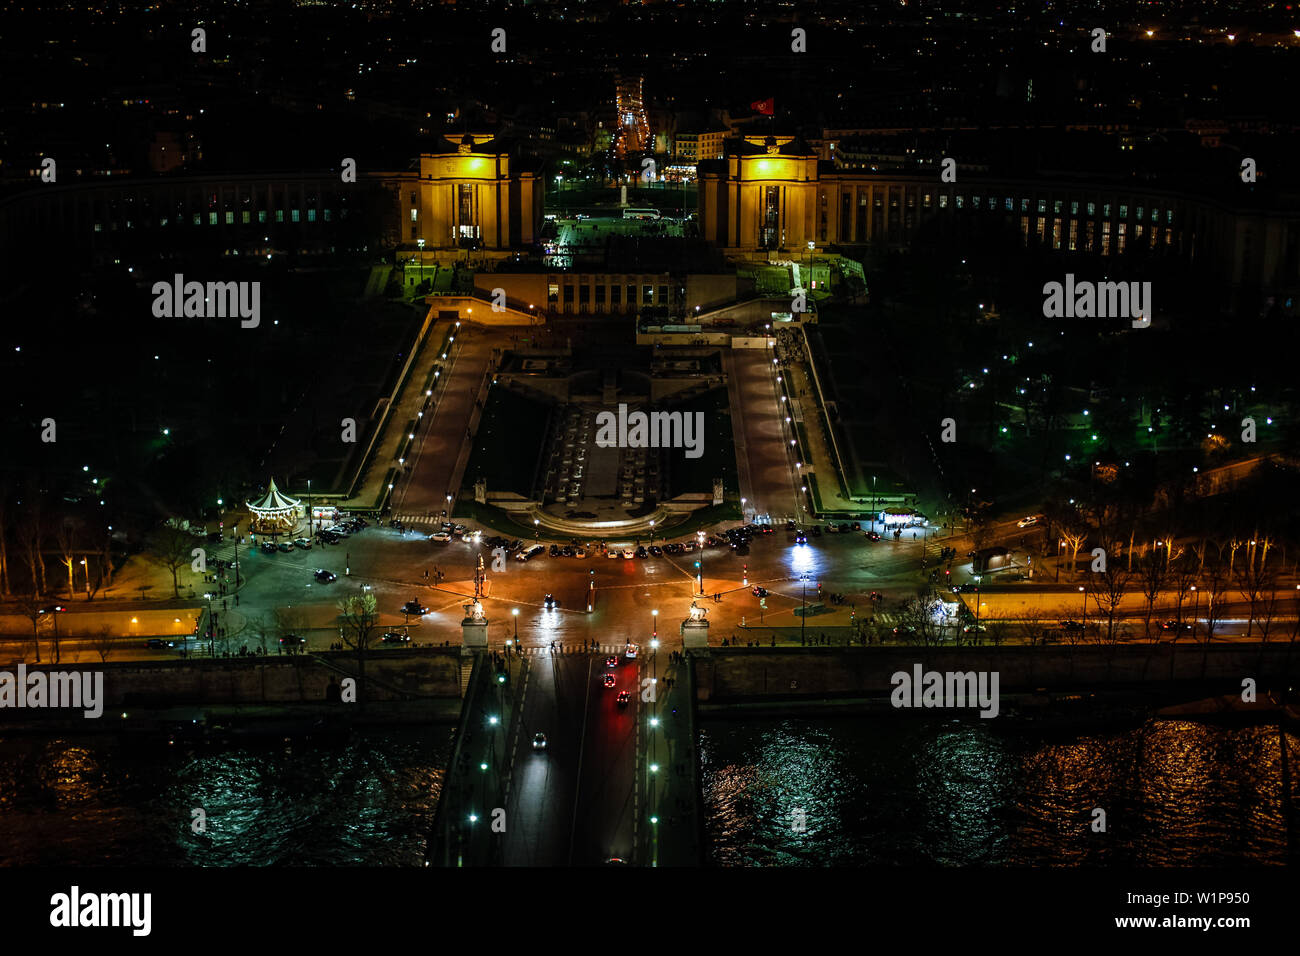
(509, 442)
(719, 459)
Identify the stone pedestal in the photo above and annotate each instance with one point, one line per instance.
(475, 633)
(695, 633)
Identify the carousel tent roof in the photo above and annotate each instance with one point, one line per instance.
(273, 500)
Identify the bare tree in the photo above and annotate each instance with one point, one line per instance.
(1152, 571)
(103, 642)
(1074, 536)
(1182, 575)
(1216, 584)
(1028, 625)
(65, 538)
(31, 536)
(358, 616)
(30, 606)
(1108, 588)
(172, 548)
(4, 546)
(1252, 581)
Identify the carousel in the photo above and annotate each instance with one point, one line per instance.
(275, 513)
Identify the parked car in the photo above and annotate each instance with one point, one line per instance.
(286, 547)
(641, 552)
(303, 543)
(531, 553)
(268, 547)
(325, 577)
(441, 537)
(1027, 520)
(656, 551)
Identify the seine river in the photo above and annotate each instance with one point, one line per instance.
(779, 792)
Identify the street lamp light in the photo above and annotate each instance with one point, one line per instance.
(515, 614)
(654, 617)
(537, 533)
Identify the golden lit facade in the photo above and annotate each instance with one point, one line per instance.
(469, 196)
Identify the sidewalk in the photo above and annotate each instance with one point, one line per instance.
(675, 840)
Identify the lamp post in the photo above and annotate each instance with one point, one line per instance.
(86, 572)
(652, 532)
(873, 503)
(654, 625)
(310, 526)
(537, 533)
(212, 633)
(803, 614)
(53, 611)
(1085, 608)
(699, 539)
(1196, 597)
(420, 242)
(515, 614)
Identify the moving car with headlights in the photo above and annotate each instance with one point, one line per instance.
(550, 603)
(157, 643)
(608, 680)
(611, 662)
(539, 741)
(623, 698)
(800, 537)
(441, 537)
(326, 577)
(292, 640)
(1027, 520)
(414, 607)
(395, 637)
(630, 653)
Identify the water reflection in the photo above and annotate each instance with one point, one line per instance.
(364, 801)
(962, 793)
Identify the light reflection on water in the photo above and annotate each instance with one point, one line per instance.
(949, 793)
(368, 800)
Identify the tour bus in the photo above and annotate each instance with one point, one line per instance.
(640, 213)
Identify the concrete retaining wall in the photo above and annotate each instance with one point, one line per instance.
(736, 674)
(391, 675)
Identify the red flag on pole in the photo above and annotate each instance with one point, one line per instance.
(767, 107)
